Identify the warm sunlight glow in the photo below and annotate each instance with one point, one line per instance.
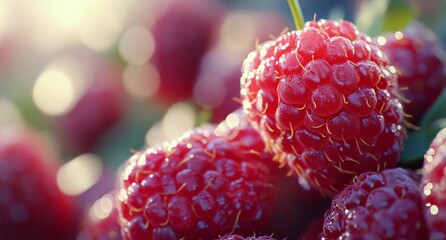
(179, 118)
(53, 92)
(60, 85)
(137, 45)
(381, 40)
(101, 23)
(102, 207)
(69, 180)
(238, 31)
(141, 81)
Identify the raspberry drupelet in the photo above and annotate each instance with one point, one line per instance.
(204, 185)
(384, 205)
(326, 102)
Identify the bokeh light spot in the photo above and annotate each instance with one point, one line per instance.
(53, 92)
(137, 45)
(69, 180)
(141, 81)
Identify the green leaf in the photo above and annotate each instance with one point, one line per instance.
(415, 146)
(436, 111)
(398, 15)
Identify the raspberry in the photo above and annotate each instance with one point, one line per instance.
(204, 185)
(102, 220)
(421, 63)
(31, 204)
(434, 186)
(385, 205)
(238, 237)
(325, 100)
(97, 111)
(182, 35)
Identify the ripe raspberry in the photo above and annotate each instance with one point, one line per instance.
(204, 185)
(385, 205)
(421, 64)
(434, 187)
(97, 111)
(102, 220)
(182, 35)
(238, 237)
(31, 204)
(325, 100)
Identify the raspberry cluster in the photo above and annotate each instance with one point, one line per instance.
(314, 151)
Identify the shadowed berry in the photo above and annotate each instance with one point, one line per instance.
(385, 205)
(421, 63)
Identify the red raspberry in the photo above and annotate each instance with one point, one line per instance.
(238, 237)
(204, 185)
(102, 220)
(97, 111)
(325, 100)
(434, 186)
(182, 35)
(385, 205)
(31, 204)
(421, 63)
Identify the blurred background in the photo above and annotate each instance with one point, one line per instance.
(98, 79)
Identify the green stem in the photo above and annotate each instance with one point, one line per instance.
(297, 13)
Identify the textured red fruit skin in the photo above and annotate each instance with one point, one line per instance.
(434, 187)
(31, 204)
(102, 222)
(421, 63)
(325, 100)
(203, 185)
(385, 205)
(182, 36)
(238, 237)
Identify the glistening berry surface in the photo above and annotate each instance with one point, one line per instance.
(204, 185)
(326, 102)
(434, 186)
(385, 205)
